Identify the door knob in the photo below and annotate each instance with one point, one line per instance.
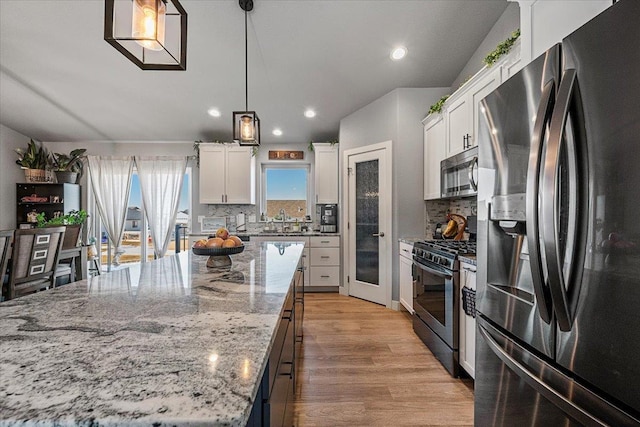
(380, 234)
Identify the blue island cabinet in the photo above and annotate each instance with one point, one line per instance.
(273, 405)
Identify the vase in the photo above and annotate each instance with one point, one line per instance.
(35, 175)
(66, 177)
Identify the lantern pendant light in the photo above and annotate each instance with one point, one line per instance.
(246, 124)
(150, 33)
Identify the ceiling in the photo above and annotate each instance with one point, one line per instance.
(60, 81)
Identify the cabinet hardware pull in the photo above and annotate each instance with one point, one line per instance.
(324, 241)
(325, 256)
(325, 277)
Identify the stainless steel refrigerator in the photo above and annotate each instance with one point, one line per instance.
(558, 340)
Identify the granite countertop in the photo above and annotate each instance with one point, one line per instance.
(412, 240)
(271, 234)
(178, 344)
(469, 259)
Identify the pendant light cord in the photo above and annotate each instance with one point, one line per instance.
(246, 64)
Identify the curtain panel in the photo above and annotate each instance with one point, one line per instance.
(111, 183)
(160, 184)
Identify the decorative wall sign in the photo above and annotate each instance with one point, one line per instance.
(286, 155)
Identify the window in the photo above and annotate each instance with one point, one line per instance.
(285, 188)
(136, 241)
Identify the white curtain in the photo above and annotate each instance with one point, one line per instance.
(111, 183)
(160, 183)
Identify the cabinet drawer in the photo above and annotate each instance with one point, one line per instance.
(325, 256)
(405, 250)
(325, 276)
(325, 241)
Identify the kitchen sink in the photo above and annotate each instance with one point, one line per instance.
(284, 233)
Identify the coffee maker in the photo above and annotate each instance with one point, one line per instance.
(328, 218)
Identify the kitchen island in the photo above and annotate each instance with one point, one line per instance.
(177, 344)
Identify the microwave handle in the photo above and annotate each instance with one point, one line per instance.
(473, 164)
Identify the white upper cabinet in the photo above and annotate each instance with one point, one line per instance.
(434, 153)
(227, 174)
(455, 128)
(462, 113)
(326, 173)
(458, 124)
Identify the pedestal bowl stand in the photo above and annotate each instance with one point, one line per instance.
(218, 257)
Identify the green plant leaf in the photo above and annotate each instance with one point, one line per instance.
(502, 49)
(437, 107)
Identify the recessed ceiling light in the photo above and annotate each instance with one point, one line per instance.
(310, 113)
(277, 132)
(214, 112)
(398, 53)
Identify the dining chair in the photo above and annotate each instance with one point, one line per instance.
(34, 259)
(6, 238)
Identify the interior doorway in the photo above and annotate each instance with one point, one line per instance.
(368, 189)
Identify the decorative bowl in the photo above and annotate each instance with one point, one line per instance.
(218, 251)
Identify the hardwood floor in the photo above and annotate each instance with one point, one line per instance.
(362, 365)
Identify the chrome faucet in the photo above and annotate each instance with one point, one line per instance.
(284, 217)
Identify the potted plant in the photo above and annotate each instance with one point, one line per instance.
(69, 167)
(35, 161)
(73, 221)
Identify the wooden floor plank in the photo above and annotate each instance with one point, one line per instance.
(362, 365)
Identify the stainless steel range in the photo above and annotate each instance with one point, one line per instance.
(436, 302)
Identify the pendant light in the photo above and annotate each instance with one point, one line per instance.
(150, 33)
(246, 124)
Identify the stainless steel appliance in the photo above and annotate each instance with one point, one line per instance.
(558, 236)
(328, 218)
(459, 174)
(436, 290)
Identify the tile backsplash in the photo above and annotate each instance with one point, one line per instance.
(230, 212)
(437, 211)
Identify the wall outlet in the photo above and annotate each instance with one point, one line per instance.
(200, 218)
(252, 218)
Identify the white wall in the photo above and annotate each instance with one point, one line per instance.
(508, 22)
(545, 23)
(10, 174)
(396, 117)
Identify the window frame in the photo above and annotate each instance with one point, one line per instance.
(263, 184)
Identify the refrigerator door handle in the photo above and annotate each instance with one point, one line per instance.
(571, 397)
(543, 297)
(550, 206)
(473, 164)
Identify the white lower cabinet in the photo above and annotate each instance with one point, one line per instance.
(406, 277)
(467, 334)
(321, 258)
(324, 260)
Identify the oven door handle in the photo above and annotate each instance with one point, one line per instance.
(432, 270)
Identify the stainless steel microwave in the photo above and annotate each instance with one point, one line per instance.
(459, 174)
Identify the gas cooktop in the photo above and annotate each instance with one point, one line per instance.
(454, 247)
(443, 253)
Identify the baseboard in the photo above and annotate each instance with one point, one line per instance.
(308, 289)
(395, 305)
(344, 291)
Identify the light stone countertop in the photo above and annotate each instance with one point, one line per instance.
(469, 259)
(271, 234)
(177, 344)
(412, 240)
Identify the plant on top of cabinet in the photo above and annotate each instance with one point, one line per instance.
(69, 167)
(196, 148)
(502, 49)
(35, 160)
(331, 142)
(437, 107)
